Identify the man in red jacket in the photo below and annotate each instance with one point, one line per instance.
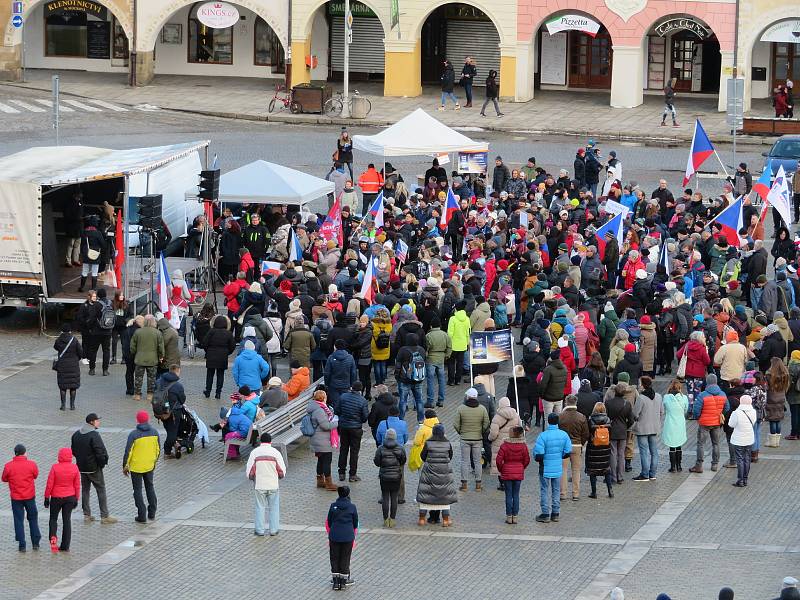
(20, 474)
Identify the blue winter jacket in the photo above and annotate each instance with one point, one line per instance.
(340, 370)
(238, 421)
(552, 446)
(395, 423)
(250, 369)
(342, 521)
(250, 407)
(711, 390)
(352, 410)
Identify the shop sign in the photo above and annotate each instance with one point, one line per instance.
(573, 23)
(218, 15)
(784, 31)
(336, 9)
(686, 23)
(60, 6)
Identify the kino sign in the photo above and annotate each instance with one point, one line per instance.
(698, 29)
(217, 15)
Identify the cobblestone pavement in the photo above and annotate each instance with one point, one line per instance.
(248, 98)
(202, 544)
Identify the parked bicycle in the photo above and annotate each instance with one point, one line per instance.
(284, 96)
(334, 106)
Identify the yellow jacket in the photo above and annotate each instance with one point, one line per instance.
(379, 326)
(424, 431)
(142, 450)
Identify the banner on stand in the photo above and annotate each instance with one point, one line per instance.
(472, 162)
(490, 346)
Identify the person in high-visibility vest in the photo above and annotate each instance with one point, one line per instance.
(370, 182)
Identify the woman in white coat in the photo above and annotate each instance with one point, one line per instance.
(743, 420)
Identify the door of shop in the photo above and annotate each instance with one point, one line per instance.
(590, 60)
(785, 63)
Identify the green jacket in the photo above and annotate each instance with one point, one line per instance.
(438, 346)
(792, 395)
(606, 330)
(147, 347)
(472, 420)
(172, 351)
(458, 328)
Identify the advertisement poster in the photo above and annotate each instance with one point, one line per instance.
(472, 162)
(20, 232)
(490, 346)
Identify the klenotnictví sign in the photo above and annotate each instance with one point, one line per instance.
(60, 6)
(686, 23)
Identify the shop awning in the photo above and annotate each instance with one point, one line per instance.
(417, 134)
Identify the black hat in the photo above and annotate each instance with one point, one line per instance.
(244, 390)
(91, 417)
(295, 364)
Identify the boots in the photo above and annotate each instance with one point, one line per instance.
(754, 456)
(672, 461)
(446, 522)
(337, 581)
(83, 284)
(320, 481)
(478, 486)
(610, 491)
(72, 403)
(94, 283)
(776, 440)
(593, 493)
(421, 521)
(63, 404)
(342, 475)
(628, 467)
(463, 487)
(678, 459)
(329, 485)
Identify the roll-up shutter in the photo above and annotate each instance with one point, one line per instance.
(478, 39)
(366, 51)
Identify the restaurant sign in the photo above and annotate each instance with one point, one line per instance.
(686, 23)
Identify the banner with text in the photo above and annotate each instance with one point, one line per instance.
(490, 346)
(21, 233)
(472, 162)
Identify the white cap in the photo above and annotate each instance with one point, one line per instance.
(563, 342)
(641, 274)
(617, 594)
(471, 393)
(248, 345)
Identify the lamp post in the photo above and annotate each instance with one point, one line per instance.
(348, 37)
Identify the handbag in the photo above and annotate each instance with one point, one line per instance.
(92, 254)
(55, 360)
(681, 373)
(335, 156)
(721, 419)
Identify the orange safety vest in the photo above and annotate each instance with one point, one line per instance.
(370, 181)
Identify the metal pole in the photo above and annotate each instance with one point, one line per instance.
(736, 76)
(23, 52)
(55, 106)
(348, 35)
(125, 236)
(513, 366)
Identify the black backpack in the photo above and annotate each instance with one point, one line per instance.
(382, 341)
(160, 402)
(324, 326)
(107, 317)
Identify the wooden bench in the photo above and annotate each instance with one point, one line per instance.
(236, 442)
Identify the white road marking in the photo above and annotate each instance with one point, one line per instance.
(27, 106)
(49, 103)
(107, 105)
(7, 109)
(78, 104)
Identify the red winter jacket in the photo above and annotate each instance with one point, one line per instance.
(569, 361)
(698, 360)
(231, 291)
(20, 475)
(512, 459)
(64, 479)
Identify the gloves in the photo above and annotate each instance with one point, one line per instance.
(47, 502)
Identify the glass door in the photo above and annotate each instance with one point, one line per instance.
(590, 60)
(785, 62)
(681, 60)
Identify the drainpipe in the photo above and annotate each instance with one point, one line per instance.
(132, 53)
(288, 51)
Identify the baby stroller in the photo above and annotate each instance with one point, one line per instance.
(190, 426)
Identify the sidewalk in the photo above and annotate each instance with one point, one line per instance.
(582, 114)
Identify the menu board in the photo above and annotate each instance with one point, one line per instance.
(98, 39)
(553, 64)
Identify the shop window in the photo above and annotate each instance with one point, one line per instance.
(208, 45)
(65, 34)
(120, 41)
(268, 50)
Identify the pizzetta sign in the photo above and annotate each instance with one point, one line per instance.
(573, 23)
(686, 23)
(217, 15)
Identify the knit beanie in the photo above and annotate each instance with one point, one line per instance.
(711, 379)
(142, 417)
(391, 434)
(624, 377)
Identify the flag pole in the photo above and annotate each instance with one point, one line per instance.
(513, 366)
(724, 170)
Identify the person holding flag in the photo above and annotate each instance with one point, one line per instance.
(453, 223)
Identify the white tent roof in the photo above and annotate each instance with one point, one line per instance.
(262, 182)
(416, 134)
(62, 165)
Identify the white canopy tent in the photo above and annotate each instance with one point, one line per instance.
(417, 134)
(262, 182)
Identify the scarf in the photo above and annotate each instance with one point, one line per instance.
(334, 431)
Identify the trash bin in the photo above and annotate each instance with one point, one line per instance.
(311, 97)
(358, 107)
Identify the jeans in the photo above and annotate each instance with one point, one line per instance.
(19, 508)
(512, 497)
(210, 379)
(669, 109)
(757, 434)
(267, 500)
(774, 427)
(617, 459)
(137, 479)
(97, 480)
(575, 459)
(550, 490)
(63, 506)
(349, 443)
(794, 409)
(496, 106)
(648, 453)
(437, 371)
(713, 433)
(468, 90)
(742, 462)
(86, 268)
(451, 96)
(455, 367)
(379, 367)
(405, 390)
(471, 450)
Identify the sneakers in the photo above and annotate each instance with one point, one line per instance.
(441, 107)
(54, 545)
(109, 520)
(543, 518)
(458, 107)
(696, 469)
(554, 517)
(354, 479)
(641, 478)
(714, 467)
(88, 518)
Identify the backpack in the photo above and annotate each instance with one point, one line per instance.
(107, 317)
(500, 316)
(306, 426)
(415, 370)
(160, 402)
(324, 326)
(601, 436)
(382, 341)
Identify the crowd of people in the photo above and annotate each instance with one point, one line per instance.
(598, 317)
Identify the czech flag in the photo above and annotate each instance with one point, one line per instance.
(701, 150)
(368, 285)
(269, 267)
(764, 183)
(614, 225)
(450, 206)
(164, 287)
(376, 210)
(295, 249)
(779, 197)
(731, 220)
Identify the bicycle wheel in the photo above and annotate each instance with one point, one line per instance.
(333, 107)
(369, 105)
(190, 340)
(271, 105)
(296, 108)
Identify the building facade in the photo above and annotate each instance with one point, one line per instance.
(627, 48)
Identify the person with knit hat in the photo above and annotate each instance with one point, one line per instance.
(730, 359)
(743, 422)
(648, 345)
(709, 408)
(390, 458)
(139, 462)
(274, 396)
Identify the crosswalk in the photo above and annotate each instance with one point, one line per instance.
(13, 106)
